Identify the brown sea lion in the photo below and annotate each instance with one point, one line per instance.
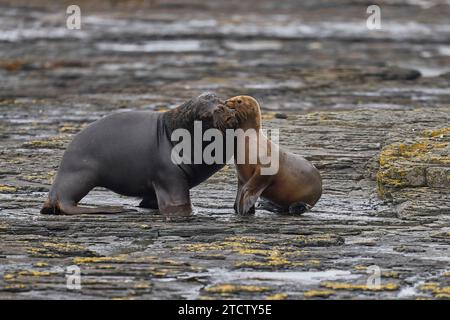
(294, 188)
(130, 154)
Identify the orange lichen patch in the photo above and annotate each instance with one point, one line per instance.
(362, 287)
(227, 288)
(14, 65)
(318, 293)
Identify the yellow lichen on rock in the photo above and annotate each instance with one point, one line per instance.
(3, 225)
(318, 293)
(277, 296)
(437, 291)
(419, 163)
(362, 287)
(65, 247)
(41, 264)
(390, 274)
(84, 260)
(437, 132)
(318, 240)
(7, 189)
(56, 142)
(8, 276)
(227, 288)
(34, 273)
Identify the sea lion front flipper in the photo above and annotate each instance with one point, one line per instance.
(173, 197)
(149, 202)
(236, 201)
(250, 192)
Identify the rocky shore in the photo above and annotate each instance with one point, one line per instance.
(371, 109)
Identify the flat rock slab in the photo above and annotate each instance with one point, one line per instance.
(338, 93)
(323, 253)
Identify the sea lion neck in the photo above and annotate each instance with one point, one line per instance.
(180, 117)
(250, 118)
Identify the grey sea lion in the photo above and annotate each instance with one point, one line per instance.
(130, 154)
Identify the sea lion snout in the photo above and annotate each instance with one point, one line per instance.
(246, 107)
(224, 117)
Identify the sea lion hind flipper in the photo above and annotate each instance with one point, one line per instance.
(271, 206)
(299, 208)
(71, 209)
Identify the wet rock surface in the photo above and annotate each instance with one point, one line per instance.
(350, 100)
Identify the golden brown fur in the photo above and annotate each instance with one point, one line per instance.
(296, 184)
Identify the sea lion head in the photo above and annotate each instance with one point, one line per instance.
(214, 113)
(247, 108)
